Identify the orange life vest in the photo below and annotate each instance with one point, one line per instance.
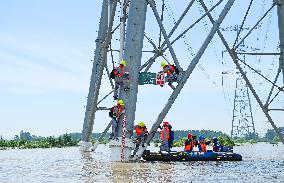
(119, 71)
(167, 133)
(189, 146)
(120, 108)
(203, 147)
(168, 69)
(138, 130)
(117, 110)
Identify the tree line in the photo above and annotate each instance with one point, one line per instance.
(26, 140)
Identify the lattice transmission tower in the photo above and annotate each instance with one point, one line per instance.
(132, 33)
(242, 122)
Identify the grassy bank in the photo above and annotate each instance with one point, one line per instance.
(63, 141)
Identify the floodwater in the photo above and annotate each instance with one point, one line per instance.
(261, 163)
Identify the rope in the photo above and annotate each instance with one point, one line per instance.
(123, 136)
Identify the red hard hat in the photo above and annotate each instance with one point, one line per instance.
(166, 123)
(189, 135)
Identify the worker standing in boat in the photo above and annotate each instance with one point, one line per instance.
(171, 72)
(166, 136)
(194, 139)
(120, 77)
(115, 113)
(141, 135)
(189, 143)
(202, 144)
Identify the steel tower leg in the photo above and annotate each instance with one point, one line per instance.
(132, 54)
(280, 11)
(122, 27)
(89, 118)
(186, 75)
(104, 36)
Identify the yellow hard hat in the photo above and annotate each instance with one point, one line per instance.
(163, 63)
(141, 124)
(123, 62)
(120, 102)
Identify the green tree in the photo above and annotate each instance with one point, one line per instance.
(52, 141)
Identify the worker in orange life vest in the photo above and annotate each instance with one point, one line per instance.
(115, 113)
(141, 135)
(166, 136)
(171, 73)
(202, 144)
(189, 143)
(120, 77)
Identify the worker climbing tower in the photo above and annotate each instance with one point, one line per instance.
(133, 20)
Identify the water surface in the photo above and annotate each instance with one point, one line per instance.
(261, 163)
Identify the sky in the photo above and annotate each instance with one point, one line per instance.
(46, 52)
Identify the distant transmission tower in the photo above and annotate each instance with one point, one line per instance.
(242, 120)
